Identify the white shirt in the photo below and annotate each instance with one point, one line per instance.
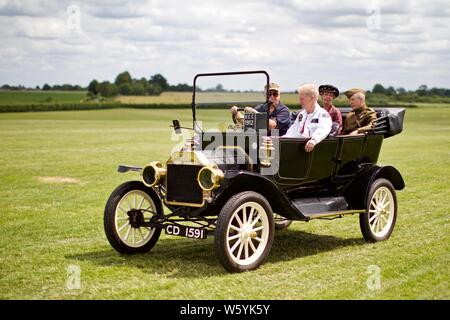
(315, 125)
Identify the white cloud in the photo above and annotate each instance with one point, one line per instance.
(296, 41)
(31, 8)
(39, 28)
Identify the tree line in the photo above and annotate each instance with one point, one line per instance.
(125, 85)
(45, 87)
(423, 90)
(422, 94)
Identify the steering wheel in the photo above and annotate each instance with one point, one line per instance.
(235, 114)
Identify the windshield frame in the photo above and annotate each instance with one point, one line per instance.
(194, 108)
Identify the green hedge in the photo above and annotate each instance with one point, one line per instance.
(157, 106)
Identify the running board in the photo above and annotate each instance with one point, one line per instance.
(314, 208)
(332, 214)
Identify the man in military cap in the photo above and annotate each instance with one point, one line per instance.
(278, 112)
(362, 118)
(329, 93)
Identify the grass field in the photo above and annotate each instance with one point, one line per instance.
(58, 169)
(41, 97)
(74, 97)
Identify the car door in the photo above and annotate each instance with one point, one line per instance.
(296, 166)
(348, 156)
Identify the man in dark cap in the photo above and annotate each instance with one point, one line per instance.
(329, 93)
(362, 118)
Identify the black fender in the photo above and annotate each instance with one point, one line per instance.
(125, 168)
(247, 181)
(357, 192)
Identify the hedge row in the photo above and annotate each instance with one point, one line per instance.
(93, 106)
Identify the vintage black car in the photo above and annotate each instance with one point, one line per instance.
(242, 190)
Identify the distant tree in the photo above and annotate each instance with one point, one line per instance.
(93, 87)
(46, 87)
(123, 77)
(182, 87)
(390, 91)
(422, 90)
(401, 90)
(125, 89)
(144, 84)
(439, 92)
(138, 89)
(158, 79)
(107, 89)
(378, 88)
(154, 89)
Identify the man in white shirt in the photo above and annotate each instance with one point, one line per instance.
(313, 121)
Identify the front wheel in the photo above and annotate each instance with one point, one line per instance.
(128, 207)
(244, 232)
(281, 222)
(377, 223)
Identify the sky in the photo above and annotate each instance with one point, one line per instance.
(345, 43)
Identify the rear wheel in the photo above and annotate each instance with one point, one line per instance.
(131, 204)
(377, 223)
(244, 232)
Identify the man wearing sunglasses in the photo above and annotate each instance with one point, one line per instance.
(278, 112)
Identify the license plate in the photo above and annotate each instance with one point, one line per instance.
(184, 231)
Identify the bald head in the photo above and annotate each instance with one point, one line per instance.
(358, 100)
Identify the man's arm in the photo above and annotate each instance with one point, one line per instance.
(294, 130)
(323, 129)
(370, 122)
(339, 118)
(283, 119)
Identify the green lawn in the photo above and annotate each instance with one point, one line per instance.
(45, 226)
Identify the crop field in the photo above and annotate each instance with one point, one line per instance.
(186, 97)
(58, 169)
(49, 97)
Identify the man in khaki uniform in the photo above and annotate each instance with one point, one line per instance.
(362, 118)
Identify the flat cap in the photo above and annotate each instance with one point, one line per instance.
(328, 88)
(273, 86)
(350, 92)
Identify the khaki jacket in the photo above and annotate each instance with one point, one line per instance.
(362, 119)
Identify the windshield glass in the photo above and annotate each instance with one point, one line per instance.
(216, 94)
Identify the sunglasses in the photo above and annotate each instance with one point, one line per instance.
(272, 93)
